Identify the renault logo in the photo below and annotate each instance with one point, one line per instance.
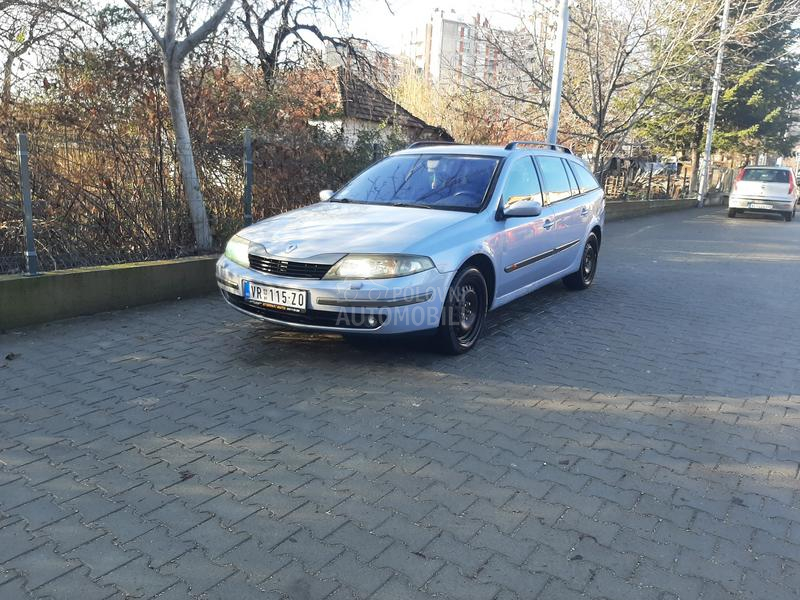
(291, 248)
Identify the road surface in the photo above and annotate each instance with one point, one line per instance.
(638, 440)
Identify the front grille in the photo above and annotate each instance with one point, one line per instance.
(288, 268)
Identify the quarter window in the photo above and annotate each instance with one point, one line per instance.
(586, 180)
(555, 184)
(572, 183)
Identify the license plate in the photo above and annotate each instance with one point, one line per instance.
(763, 206)
(276, 297)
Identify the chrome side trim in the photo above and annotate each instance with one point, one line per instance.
(542, 256)
(376, 303)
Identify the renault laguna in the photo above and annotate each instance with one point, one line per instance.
(427, 240)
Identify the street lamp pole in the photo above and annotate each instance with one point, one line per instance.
(559, 58)
(712, 111)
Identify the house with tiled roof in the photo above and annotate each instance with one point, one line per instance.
(355, 106)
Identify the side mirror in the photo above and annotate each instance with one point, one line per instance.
(325, 195)
(522, 206)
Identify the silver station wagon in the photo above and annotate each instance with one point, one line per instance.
(427, 240)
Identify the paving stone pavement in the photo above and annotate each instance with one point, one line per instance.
(638, 440)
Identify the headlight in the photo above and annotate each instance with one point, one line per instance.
(378, 266)
(237, 250)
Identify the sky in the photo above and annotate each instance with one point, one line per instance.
(373, 20)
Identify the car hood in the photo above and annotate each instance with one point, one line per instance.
(331, 228)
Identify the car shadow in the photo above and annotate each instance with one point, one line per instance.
(679, 307)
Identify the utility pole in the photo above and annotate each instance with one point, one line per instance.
(712, 111)
(559, 58)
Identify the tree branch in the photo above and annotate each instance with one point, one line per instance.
(202, 32)
(143, 18)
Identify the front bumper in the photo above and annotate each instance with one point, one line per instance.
(748, 203)
(385, 306)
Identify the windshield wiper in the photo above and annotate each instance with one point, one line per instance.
(409, 205)
(342, 200)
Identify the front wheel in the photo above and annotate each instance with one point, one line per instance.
(731, 212)
(584, 276)
(464, 312)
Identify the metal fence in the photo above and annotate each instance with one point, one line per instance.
(631, 179)
(97, 203)
(86, 204)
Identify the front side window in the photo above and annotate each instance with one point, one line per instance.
(442, 181)
(586, 181)
(522, 181)
(555, 184)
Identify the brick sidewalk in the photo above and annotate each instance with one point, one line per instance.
(638, 440)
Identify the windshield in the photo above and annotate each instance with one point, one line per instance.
(443, 181)
(766, 175)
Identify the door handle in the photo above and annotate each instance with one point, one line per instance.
(548, 223)
(584, 211)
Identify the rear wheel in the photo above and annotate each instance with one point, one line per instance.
(788, 216)
(584, 276)
(732, 212)
(464, 312)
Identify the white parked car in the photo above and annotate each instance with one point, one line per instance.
(764, 189)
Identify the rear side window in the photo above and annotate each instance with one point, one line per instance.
(766, 175)
(522, 180)
(555, 183)
(586, 180)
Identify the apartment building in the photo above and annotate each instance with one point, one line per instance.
(450, 48)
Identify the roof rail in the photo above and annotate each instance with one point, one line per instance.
(557, 147)
(423, 143)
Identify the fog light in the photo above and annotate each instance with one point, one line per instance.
(372, 321)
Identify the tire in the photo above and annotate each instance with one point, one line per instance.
(788, 216)
(732, 212)
(584, 276)
(464, 312)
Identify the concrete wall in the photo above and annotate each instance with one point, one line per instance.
(70, 293)
(617, 211)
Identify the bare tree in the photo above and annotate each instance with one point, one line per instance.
(276, 28)
(615, 61)
(679, 106)
(26, 26)
(623, 57)
(626, 59)
(174, 51)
